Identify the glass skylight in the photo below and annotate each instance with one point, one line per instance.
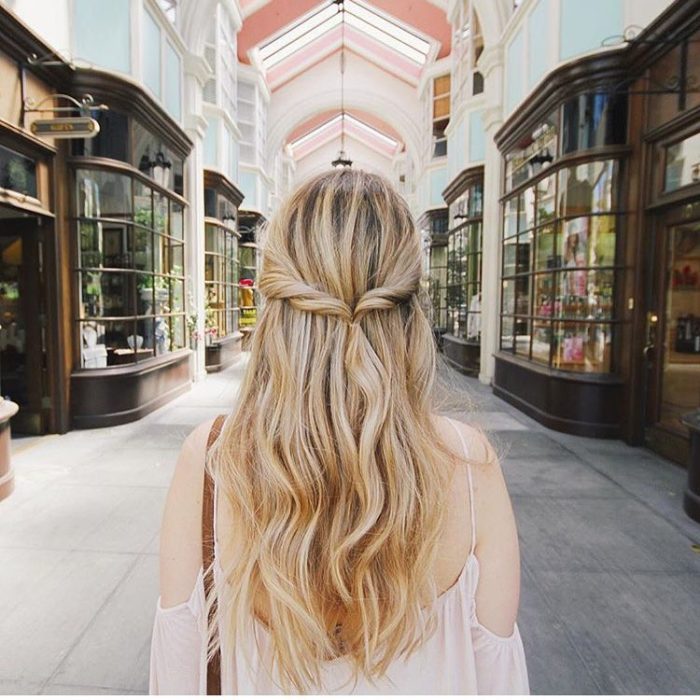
(349, 120)
(357, 15)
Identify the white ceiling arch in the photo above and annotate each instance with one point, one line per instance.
(367, 89)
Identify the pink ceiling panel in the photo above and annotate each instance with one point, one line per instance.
(366, 117)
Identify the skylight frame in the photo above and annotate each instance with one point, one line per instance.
(388, 26)
(350, 119)
(302, 41)
(361, 17)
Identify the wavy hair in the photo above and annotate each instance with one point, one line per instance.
(331, 461)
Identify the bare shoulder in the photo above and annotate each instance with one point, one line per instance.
(497, 547)
(180, 534)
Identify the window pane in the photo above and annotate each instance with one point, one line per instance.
(544, 295)
(162, 334)
(522, 298)
(145, 295)
(160, 254)
(523, 262)
(17, 172)
(162, 294)
(510, 222)
(522, 336)
(176, 220)
(544, 255)
(596, 303)
(527, 214)
(507, 337)
(682, 163)
(177, 258)
(546, 202)
(90, 244)
(582, 347)
(143, 205)
(103, 194)
(177, 291)
(510, 248)
(106, 294)
(508, 296)
(107, 343)
(541, 340)
(160, 213)
(142, 242)
(587, 188)
(177, 332)
(602, 246)
(115, 245)
(145, 328)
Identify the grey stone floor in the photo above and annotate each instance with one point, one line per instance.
(611, 584)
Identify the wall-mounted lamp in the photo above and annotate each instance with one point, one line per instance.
(542, 158)
(159, 169)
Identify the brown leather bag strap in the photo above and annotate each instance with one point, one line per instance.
(208, 506)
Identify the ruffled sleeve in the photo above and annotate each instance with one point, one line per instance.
(177, 648)
(500, 662)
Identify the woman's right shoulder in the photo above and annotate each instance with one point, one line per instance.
(180, 534)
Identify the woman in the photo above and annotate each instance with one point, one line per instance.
(356, 549)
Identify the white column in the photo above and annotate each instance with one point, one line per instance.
(491, 66)
(196, 74)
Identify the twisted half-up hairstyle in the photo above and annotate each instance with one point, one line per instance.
(331, 462)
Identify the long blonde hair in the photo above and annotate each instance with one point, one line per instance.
(331, 461)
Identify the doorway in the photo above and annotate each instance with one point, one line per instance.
(23, 370)
(673, 340)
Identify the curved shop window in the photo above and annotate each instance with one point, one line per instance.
(221, 280)
(559, 268)
(130, 270)
(464, 245)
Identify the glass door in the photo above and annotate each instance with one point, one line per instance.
(673, 341)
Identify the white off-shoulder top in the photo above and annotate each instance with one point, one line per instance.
(461, 657)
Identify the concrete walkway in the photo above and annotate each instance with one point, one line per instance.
(611, 583)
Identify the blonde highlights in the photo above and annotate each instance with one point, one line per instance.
(331, 461)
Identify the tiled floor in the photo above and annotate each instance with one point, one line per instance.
(611, 585)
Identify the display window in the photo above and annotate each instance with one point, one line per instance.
(464, 251)
(559, 267)
(130, 274)
(221, 281)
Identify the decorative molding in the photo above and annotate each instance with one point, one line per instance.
(218, 181)
(461, 182)
(197, 66)
(196, 124)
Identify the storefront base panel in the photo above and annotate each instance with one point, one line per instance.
(461, 354)
(223, 353)
(578, 405)
(670, 445)
(111, 397)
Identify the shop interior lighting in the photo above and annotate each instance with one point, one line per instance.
(357, 15)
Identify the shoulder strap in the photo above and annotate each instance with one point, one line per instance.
(472, 507)
(208, 535)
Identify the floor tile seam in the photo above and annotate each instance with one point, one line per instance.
(623, 572)
(565, 497)
(565, 627)
(79, 637)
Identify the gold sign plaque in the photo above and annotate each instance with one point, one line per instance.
(66, 127)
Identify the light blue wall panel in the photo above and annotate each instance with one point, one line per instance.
(173, 82)
(211, 143)
(438, 182)
(150, 53)
(539, 39)
(477, 140)
(456, 155)
(585, 23)
(102, 33)
(515, 75)
(248, 186)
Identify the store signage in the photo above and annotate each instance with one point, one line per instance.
(66, 127)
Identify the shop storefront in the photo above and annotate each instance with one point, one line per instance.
(250, 227)
(462, 339)
(433, 228)
(31, 354)
(666, 138)
(221, 271)
(564, 217)
(128, 241)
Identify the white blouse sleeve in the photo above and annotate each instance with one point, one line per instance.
(178, 658)
(500, 662)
